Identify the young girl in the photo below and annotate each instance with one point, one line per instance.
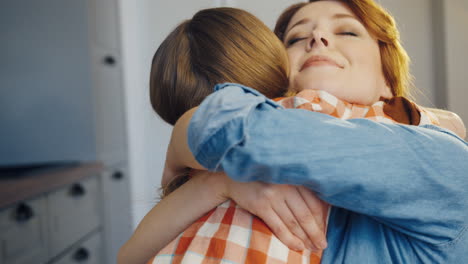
(181, 91)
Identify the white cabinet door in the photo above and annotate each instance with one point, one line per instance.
(106, 67)
(74, 211)
(109, 106)
(104, 27)
(23, 233)
(111, 138)
(116, 210)
(87, 252)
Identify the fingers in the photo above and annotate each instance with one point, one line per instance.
(281, 231)
(285, 212)
(317, 207)
(304, 221)
(308, 221)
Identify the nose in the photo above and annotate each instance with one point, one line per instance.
(318, 40)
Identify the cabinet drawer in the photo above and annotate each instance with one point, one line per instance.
(88, 252)
(74, 211)
(23, 233)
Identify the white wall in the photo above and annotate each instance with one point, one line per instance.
(456, 25)
(145, 23)
(267, 13)
(415, 24)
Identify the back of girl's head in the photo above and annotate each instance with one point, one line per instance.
(217, 45)
(380, 24)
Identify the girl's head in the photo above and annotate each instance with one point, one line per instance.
(350, 48)
(217, 45)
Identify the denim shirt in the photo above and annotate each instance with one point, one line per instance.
(399, 193)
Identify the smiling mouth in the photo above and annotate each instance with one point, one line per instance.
(319, 61)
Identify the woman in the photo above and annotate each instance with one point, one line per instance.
(412, 209)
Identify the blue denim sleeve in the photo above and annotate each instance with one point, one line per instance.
(413, 179)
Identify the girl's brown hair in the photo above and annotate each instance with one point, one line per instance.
(381, 25)
(217, 45)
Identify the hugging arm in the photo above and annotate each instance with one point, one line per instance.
(295, 215)
(403, 176)
(159, 227)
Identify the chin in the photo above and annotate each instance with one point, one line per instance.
(324, 85)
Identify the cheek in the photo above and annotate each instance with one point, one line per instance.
(293, 59)
(295, 55)
(378, 70)
(374, 59)
(369, 64)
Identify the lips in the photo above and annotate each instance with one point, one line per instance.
(318, 60)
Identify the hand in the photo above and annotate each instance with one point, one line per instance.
(294, 214)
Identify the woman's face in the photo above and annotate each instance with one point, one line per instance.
(330, 49)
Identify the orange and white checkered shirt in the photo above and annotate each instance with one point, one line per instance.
(229, 234)
(324, 102)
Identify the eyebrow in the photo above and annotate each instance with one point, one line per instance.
(336, 16)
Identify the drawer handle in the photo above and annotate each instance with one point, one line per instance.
(118, 175)
(81, 255)
(109, 60)
(23, 213)
(77, 190)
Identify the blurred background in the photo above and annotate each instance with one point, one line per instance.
(74, 81)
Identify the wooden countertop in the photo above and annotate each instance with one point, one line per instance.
(15, 189)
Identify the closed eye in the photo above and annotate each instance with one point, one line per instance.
(293, 40)
(348, 33)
